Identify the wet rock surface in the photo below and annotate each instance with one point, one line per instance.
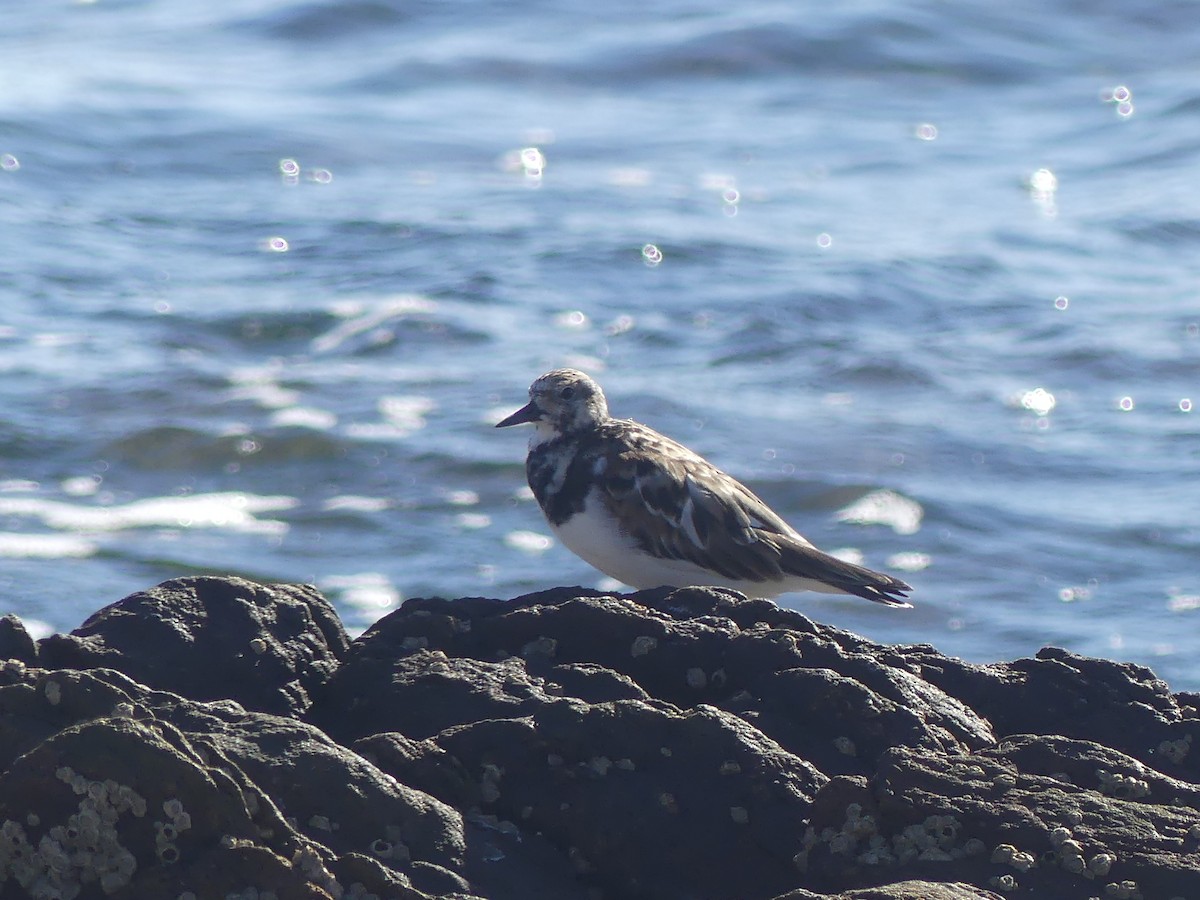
(213, 737)
(213, 639)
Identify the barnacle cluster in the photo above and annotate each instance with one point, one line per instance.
(311, 865)
(1123, 890)
(123, 710)
(541, 646)
(642, 645)
(165, 833)
(489, 783)
(1176, 751)
(391, 846)
(579, 862)
(85, 850)
(1101, 863)
(1124, 787)
(1003, 882)
(1008, 855)
(1069, 854)
(935, 839)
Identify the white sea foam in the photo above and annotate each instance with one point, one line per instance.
(401, 417)
(304, 417)
(528, 541)
(18, 486)
(81, 485)
(260, 385)
(472, 521)
(231, 511)
(902, 514)
(848, 554)
(909, 562)
(356, 504)
(406, 414)
(14, 545)
(362, 319)
(37, 628)
(368, 591)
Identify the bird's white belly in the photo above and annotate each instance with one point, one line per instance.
(594, 536)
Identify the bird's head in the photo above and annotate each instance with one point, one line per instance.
(561, 402)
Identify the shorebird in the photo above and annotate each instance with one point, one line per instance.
(649, 512)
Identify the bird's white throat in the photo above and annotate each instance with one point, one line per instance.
(543, 433)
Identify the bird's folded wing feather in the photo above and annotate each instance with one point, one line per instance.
(676, 505)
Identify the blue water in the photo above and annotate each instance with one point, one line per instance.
(925, 275)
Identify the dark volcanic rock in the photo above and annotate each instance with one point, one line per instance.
(1120, 705)
(260, 784)
(423, 693)
(213, 639)
(823, 693)
(950, 814)
(646, 799)
(15, 642)
(342, 801)
(113, 799)
(827, 700)
(214, 736)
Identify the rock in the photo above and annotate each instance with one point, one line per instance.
(423, 693)
(215, 736)
(423, 765)
(342, 801)
(113, 799)
(262, 782)
(1119, 705)
(213, 638)
(904, 890)
(645, 799)
(15, 642)
(806, 686)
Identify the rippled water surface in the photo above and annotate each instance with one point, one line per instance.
(925, 275)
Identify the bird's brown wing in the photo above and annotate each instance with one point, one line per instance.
(676, 505)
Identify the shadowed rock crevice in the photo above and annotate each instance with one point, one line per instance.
(213, 735)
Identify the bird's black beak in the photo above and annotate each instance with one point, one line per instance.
(527, 413)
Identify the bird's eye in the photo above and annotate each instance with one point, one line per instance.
(567, 393)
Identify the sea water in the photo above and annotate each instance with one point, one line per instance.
(925, 275)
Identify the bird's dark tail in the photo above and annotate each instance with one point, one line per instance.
(806, 561)
(886, 590)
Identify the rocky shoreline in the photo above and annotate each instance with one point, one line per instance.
(213, 738)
